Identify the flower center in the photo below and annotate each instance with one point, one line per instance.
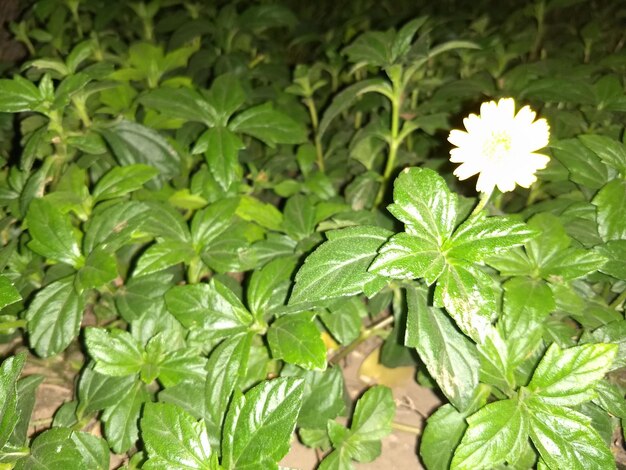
(497, 145)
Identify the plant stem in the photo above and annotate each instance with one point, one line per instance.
(310, 104)
(618, 301)
(365, 334)
(394, 143)
(484, 199)
(406, 428)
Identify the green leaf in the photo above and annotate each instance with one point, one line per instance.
(451, 359)
(299, 217)
(132, 143)
(221, 150)
(373, 415)
(615, 333)
(268, 125)
(264, 214)
(468, 295)
(10, 371)
(121, 420)
(212, 221)
(406, 256)
(496, 433)
(226, 368)
(174, 439)
(615, 253)
(480, 236)
(323, 395)
(372, 48)
(18, 95)
(295, 339)
(423, 202)
(338, 267)
(100, 268)
(182, 103)
(8, 293)
(259, 424)
(611, 204)
(115, 352)
(212, 306)
(52, 233)
(166, 222)
(343, 319)
(443, 433)
(162, 255)
(496, 367)
(98, 391)
(343, 100)
(54, 317)
(565, 439)
(610, 151)
(122, 180)
(67, 449)
(26, 396)
(226, 96)
(113, 226)
(584, 167)
(572, 264)
(610, 398)
(268, 286)
(567, 377)
(143, 294)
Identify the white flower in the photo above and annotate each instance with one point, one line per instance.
(500, 145)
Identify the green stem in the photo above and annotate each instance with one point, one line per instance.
(394, 143)
(484, 199)
(365, 334)
(618, 301)
(310, 104)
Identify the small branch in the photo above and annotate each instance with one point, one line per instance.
(365, 334)
(406, 428)
(618, 301)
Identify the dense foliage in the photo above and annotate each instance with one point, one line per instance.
(201, 196)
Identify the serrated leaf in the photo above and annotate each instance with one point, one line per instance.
(226, 368)
(54, 317)
(263, 440)
(182, 103)
(18, 95)
(100, 268)
(295, 339)
(264, 214)
(572, 263)
(268, 286)
(143, 294)
(373, 415)
(496, 367)
(212, 221)
(26, 396)
(269, 125)
(610, 151)
(113, 226)
(174, 439)
(611, 205)
(8, 293)
(565, 439)
(344, 319)
(480, 236)
(323, 395)
(495, 434)
(610, 398)
(121, 420)
(338, 267)
(212, 306)
(468, 295)
(133, 143)
(372, 48)
(567, 377)
(615, 253)
(423, 202)
(52, 233)
(166, 222)
(163, 255)
(299, 217)
(98, 391)
(115, 352)
(451, 359)
(584, 166)
(406, 256)
(221, 151)
(443, 433)
(122, 180)
(10, 371)
(226, 96)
